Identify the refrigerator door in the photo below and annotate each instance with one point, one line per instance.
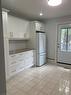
(42, 59)
(41, 42)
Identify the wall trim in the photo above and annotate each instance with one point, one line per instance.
(50, 58)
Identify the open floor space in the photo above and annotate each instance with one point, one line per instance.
(45, 80)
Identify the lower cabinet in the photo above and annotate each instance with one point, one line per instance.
(19, 62)
(12, 70)
(29, 62)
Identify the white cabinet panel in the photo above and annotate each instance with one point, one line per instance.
(28, 54)
(20, 65)
(39, 26)
(12, 62)
(12, 70)
(29, 62)
(18, 28)
(19, 62)
(13, 57)
(5, 22)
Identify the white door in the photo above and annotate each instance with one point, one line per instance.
(64, 44)
(41, 42)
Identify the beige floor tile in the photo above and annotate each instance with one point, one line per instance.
(45, 80)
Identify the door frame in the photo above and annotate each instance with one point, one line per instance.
(57, 30)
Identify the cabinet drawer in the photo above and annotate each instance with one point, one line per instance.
(28, 61)
(12, 70)
(21, 65)
(16, 57)
(28, 54)
(21, 56)
(12, 62)
(13, 57)
(19, 62)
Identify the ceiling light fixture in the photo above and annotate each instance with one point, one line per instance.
(41, 14)
(54, 2)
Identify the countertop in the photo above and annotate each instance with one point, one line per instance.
(19, 51)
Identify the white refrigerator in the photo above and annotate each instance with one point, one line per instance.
(40, 48)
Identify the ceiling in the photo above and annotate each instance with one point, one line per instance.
(32, 8)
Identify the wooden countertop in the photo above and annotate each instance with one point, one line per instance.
(19, 51)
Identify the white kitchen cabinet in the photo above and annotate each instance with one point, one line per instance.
(39, 26)
(29, 59)
(28, 54)
(6, 42)
(35, 26)
(18, 28)
(19, 62)
(21, 65)
(28, 62)
(5, 19)
(12, 70)
(6, 55)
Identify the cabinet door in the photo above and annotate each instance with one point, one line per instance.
(39, 26)
(14, 57)
(18, 28)
(14, 34)
(4, 19)
(42, 28)
(20, 65)
(19, 62)
(12, 70)
(27, 30)
(28, 54)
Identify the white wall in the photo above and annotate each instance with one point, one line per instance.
(51, 31)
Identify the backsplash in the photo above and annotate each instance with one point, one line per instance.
(17, 44)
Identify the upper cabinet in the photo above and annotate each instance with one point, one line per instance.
(15, 28)
(18, 28)
(39, 26)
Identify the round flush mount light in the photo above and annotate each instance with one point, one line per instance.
(54, 2)
(41, 14)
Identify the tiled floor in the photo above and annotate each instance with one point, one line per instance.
(45, 80)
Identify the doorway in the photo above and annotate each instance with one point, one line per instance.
(64, 44)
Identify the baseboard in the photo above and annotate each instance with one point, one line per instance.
(67, 66)
(50, 60)
(64, 63)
